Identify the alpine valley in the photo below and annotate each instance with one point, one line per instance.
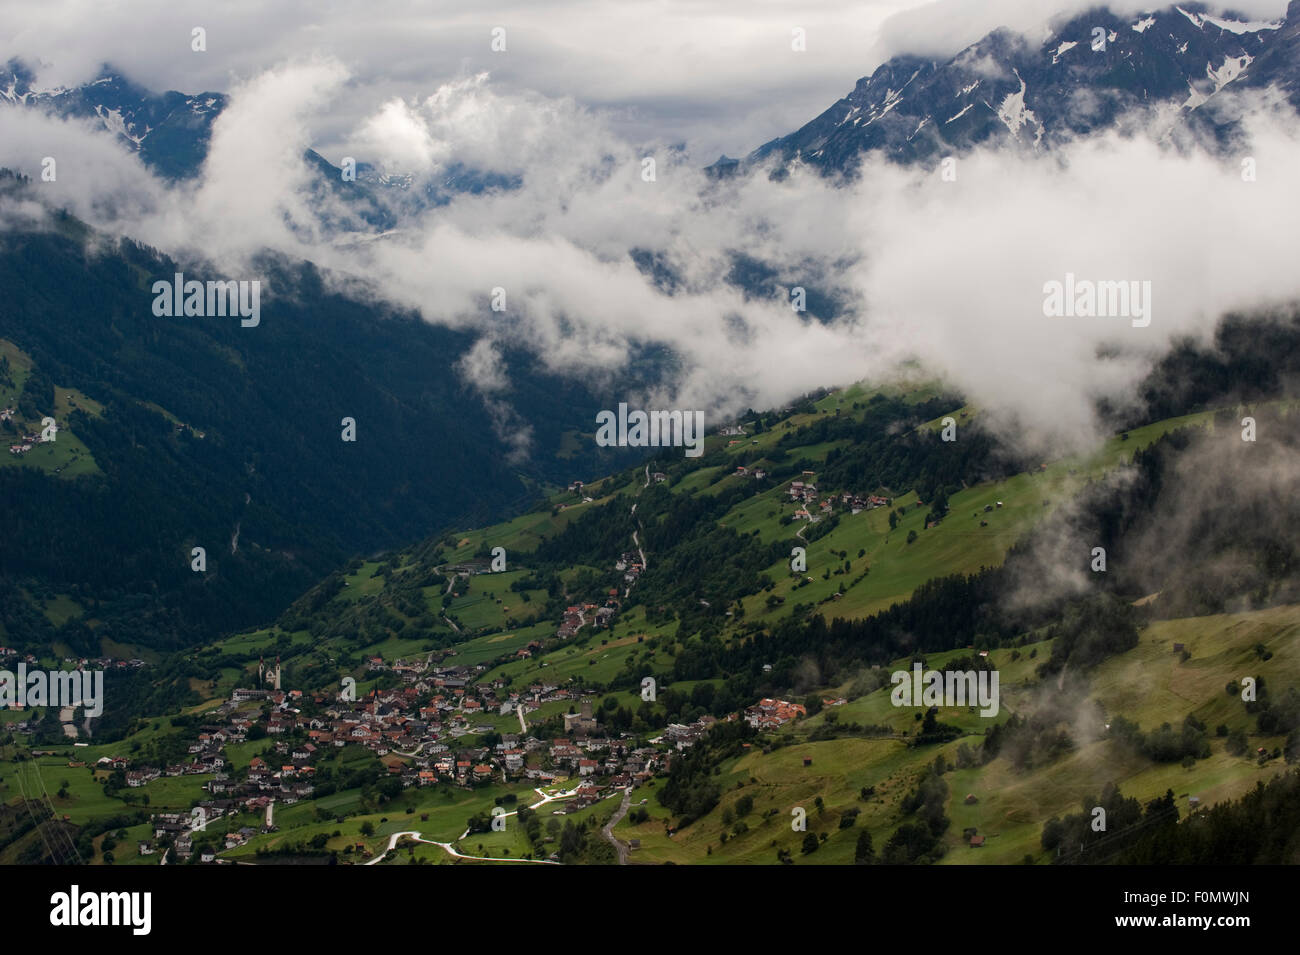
(433, 648)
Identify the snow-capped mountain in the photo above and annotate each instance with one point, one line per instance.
(170, 130)
(1170, 67)
(1173, 63)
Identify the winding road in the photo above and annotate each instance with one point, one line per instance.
(395, 837)
(447, 620)
(635, 540)
(450, 846)
(608, 829)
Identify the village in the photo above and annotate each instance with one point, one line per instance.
(423, 731)
(431, 722)
(805, 492)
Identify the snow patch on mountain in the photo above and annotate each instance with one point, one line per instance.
(1232, 68)
(1015, 114)
(1195, 97)
(114, 123)
(1244, 26)
(892, 98)
(1064, 48)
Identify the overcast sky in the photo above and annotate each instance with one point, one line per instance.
(717, 75)
(947, 273)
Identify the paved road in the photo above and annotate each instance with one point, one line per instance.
(414, 752)
(608, 831)
(645, 565)
(450, 847)
(450, 584)
(447, 846)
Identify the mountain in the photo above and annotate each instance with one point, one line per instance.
(1173, 64)
(465, 678)
(706, 643)
(200, 432)
(719, 528)
(169, 130)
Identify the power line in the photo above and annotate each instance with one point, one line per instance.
(49, 803)
(22, 789)
(1075, 855)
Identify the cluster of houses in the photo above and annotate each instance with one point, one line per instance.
(600, 616)
(578, 488)
(101, 663)
(856, 503)
(574, 619)
(601, 765)
(768, 714)
(177, 829)
(413, 722)
(415, 728)
(806, 492)
(26, 442)
(174, 827)
(682, 736)
(757, 474)
(629, 562)
(577, 616)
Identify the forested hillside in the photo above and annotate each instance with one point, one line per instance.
(203, 433)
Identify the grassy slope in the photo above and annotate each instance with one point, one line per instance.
(1148, 685)
(66, 455)
(1012, 805)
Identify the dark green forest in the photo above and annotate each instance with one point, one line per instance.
(271, 464)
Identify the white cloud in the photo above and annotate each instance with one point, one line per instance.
(717, 74)
(950, 273)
